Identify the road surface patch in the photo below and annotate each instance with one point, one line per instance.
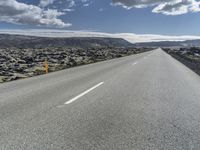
(135, 63)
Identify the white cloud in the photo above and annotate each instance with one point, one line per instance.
(68, 10)
(178, 8)
(86, 5)
(167, 7)
(21, 13)
(45, 3)
(84, 1)
(72, 3)
(133, 38)
(64, 5)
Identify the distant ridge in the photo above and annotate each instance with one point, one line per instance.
(24, 41)
(21, 41)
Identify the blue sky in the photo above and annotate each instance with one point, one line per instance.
(160, 17)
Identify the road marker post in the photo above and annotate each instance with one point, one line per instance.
(46, 66)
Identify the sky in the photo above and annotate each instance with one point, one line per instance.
(132, 19)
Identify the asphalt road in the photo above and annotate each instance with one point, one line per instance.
(147, 101)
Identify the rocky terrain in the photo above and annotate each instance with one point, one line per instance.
(24, 56)
(188, 56)
(16, 63)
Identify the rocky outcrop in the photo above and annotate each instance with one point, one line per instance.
(188, 56)
(22, 63)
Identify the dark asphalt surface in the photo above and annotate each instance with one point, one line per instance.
(148, 101)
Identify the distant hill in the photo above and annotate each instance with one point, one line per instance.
(187, 43)
(20, 41)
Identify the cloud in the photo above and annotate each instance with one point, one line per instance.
(64, 5)
(84, 1)
(45, 3)
(21, 13)
(133, 38)
(72, 3)
(68, 10)
(166, 7)
(86, 5)
(178, 8)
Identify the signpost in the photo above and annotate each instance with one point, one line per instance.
(46, 67)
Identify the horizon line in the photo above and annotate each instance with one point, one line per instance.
(131, 37)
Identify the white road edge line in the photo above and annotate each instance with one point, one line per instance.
(84, 93)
